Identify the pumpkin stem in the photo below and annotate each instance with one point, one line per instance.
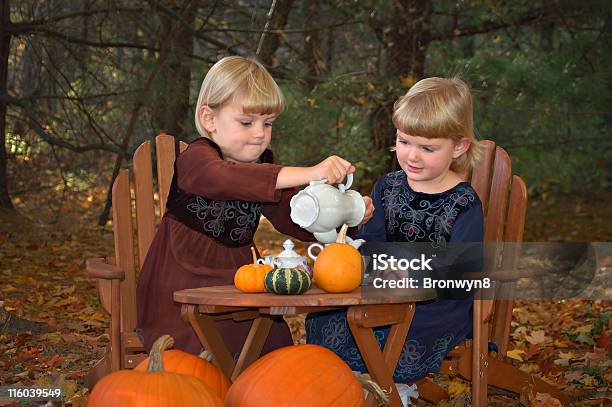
(381, 396)
(206, 355)
(342, 235)
(156, 357)
(254, 255)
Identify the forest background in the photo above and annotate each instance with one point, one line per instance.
(83, 83)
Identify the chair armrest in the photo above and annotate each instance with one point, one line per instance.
(506, 275)
(99, 268)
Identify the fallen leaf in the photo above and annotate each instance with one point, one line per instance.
(562, 362)
(584, 328)
(584, 338)
(536, 337)
(604, 340)
(515, 354)
(544, 400)
(531, 350)
(561, 343)
(588, 380)
(456, 388)
(574, 377)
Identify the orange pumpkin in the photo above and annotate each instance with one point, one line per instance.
(298, 376)
(338, 266)
(250, 277)
(177, 361)
(153, 388)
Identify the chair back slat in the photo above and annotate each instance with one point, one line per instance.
(481, 175)
(145, 207)
(498, 197)
(513, 235)
(124, 248)
(164, 145)
(182, 147)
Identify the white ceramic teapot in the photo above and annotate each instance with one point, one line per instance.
(288, 258)
(320, 208)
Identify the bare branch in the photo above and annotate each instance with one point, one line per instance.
(49, 138)
(536, 16)
(24, 27)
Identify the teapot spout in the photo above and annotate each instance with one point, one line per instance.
(356, 243)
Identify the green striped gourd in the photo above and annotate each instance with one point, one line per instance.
(287, 281)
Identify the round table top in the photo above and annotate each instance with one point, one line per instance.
(228, 295)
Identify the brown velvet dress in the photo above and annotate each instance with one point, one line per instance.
(188, 253)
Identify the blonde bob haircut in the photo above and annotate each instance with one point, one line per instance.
(439, 108)
(242, 80)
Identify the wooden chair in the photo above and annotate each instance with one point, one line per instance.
(504, 199)
(116, 276)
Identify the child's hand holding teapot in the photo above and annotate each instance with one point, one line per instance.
(369, 210)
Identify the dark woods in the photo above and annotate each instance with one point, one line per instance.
(82, 84)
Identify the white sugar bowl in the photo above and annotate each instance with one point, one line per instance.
(288, 258)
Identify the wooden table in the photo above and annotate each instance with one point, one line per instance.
(368, 308)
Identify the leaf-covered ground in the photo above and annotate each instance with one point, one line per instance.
(42, 279)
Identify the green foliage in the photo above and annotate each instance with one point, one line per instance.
(540, 92)
(331, 119)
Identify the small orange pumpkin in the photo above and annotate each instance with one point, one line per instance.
(177, 361)
(300, 376)
(338, 266)
(250, 277)
(153, 388)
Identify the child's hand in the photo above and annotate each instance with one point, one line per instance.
(333, 169)
(369, 210)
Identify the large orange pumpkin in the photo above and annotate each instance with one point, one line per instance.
(154, 387)
(177, 361)
(338, 266)
(250, 277)
(298, 376)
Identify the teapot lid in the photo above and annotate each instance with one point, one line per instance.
(288, 252)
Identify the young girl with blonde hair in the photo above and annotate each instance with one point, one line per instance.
(427, 201)
(222, 183)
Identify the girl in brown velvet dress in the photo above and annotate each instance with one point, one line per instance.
(222, 183)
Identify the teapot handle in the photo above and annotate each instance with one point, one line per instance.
(341, 187)
(312, 246)
(349, 182)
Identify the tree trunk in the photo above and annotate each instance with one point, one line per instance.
(405, 36)
(271, 41)
(5, 47)
(313, 54)
(172, 97)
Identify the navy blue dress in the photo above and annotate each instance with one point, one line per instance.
(404, 215)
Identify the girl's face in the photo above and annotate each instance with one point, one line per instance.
(242, 137)
(427, 162)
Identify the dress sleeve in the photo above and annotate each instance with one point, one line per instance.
(374, 229)
(279, 214)
(202, 171)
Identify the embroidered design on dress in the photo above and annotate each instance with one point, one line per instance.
(412, 218)
(214, 217)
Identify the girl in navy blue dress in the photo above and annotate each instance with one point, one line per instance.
(426, 202)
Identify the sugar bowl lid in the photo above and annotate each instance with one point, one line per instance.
(288, 253)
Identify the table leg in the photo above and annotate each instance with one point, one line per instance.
(381, 364)
(205, 329)
(253, 345)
